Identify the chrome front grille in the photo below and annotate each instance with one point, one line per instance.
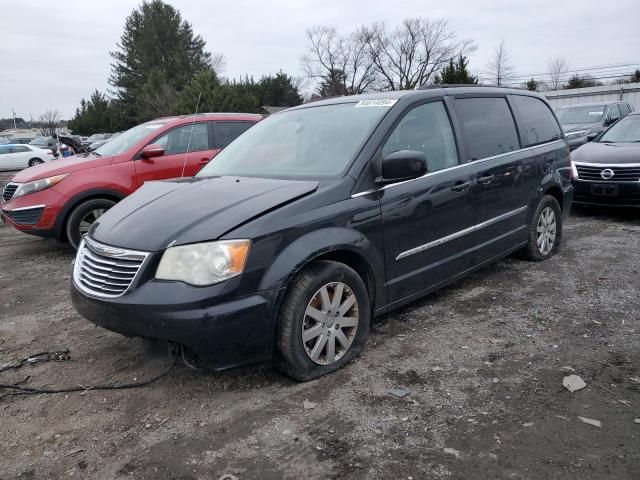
(9, 190)
(104, 271)
(621, 173)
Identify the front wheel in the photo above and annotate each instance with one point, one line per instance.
(83, 216)
(545, 230)
(323, 322)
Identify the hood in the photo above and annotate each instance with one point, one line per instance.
(192, 210)
(72, 142)
(596, 152)
(60, 166)
(570, 127)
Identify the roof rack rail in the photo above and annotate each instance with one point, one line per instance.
(455, 85)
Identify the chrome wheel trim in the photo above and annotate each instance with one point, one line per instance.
(88, 219)
(546, 231)
(330, 323)
(35, 161)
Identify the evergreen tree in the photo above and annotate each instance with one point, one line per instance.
(156, 41)
(577, 81)
(278, 91)
(532, 85)
(96, 115)
(332, 84)
(456, 73)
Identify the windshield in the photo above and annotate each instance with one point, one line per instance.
(95, 136)
(626, 130)
(580, 114)
(39, 141)
(311, 142)
(128, 139)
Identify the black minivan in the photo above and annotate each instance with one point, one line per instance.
(324, 216)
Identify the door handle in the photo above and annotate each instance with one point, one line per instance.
(486, 180)
(460, 186)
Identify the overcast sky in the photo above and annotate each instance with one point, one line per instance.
(51, 57)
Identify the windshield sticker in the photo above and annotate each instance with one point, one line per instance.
(383, 102)
(153, 126)
(596, 113)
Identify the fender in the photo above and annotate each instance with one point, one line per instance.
(75, 200)
(314, 244)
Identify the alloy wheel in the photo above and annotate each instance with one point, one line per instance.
(89, 218)
(330, 323)
(546, 231)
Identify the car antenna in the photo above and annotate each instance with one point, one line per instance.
(184, 164)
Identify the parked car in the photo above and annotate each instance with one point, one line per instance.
(19, 156)
(325, 215)
(97, 144)
(95, 138)
(608, 169)
(63, 198)
(47, 143)
(584, 122)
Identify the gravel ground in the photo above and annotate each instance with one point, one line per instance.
(483, 362)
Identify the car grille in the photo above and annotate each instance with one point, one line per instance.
(9, 190)
(27, 216)
(620, 173)
(105, 271)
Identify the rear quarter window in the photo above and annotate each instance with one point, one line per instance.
(537, 123)
(488, 126)
(227, 132)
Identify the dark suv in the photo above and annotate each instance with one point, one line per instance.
(584, 122)
(326, 215)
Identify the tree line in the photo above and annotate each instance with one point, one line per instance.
(161, 67)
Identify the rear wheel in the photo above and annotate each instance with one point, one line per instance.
(83, 216)
(35, 161)
(545, 230)
(324, 321)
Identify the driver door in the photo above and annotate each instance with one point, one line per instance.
(426, 221)
(186, 150)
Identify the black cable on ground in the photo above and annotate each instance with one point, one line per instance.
(23, 390)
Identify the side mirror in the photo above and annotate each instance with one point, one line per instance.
(151, 151)
(402, 165)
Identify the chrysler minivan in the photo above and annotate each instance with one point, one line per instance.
(324, 216)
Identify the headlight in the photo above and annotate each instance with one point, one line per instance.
(577, 133)
(204, 263)
(36, 186)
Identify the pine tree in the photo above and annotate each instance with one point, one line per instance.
(532, 85)
(156, 41)
(456, 73)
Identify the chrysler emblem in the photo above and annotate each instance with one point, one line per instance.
(607, 173)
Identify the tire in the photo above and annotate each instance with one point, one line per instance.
(35, 161)
(85, 212)
(537, 250)
(293, 356)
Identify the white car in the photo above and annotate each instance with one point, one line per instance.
(18, 156)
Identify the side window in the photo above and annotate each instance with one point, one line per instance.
(4, 150)
(427, 129)
(537, 123)
(614, 112)
(175, 141)
(488, 126)
(624, 108)
(20, 149)
(227, 132)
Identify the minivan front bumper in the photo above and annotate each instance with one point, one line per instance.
(223, 335)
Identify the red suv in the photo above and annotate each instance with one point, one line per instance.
(61, 199)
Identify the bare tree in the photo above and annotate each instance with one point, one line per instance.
(338, 61)
(556, 69)
(409, 55)
(218, 63)
(499, 68)
(49, 122)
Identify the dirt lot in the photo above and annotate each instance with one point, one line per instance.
(483, 361)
